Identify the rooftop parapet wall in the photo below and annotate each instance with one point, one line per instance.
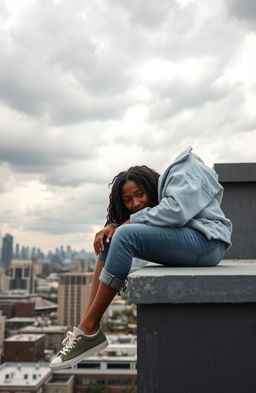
(239, 182)
(236, 172)
(196, 328)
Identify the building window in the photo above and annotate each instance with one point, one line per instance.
(66, 280)
(97, 381)
(26, 272)
(120, 382)
(100, 381)
(88, 365)
(83, 381)
(118, 365)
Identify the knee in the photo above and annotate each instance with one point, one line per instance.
(125, 232)
(122, 231)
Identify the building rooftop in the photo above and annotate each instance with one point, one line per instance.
(58, 379)
(46, 329)
(23, 374)
(21, 319)
(25, 337)
(17, 295)
(21, 262)
(121, 339)
(42, 304)
(119, 302)
(76, 274)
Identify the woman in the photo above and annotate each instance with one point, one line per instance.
(173, 219)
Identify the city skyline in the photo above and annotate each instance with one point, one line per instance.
(89, 89)
(20, 251)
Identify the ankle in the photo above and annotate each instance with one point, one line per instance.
(89, 329)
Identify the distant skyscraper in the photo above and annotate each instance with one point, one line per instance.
(62, 252)
(7, 250)
(33, 253)
(24, 253)
(69, 252)
(17, 251)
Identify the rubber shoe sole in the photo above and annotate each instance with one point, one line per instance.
(98, 348)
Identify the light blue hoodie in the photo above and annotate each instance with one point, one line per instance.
(189, 194)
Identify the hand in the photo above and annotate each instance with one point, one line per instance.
(107, 231)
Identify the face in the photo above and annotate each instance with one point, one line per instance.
(134, 196)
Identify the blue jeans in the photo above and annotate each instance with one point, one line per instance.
(171, 246)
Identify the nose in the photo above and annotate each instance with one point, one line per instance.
(136, 204)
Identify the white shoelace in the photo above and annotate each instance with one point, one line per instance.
(69, 342)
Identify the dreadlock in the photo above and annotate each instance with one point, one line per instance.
(143, 176)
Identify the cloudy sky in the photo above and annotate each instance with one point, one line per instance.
(89, 88)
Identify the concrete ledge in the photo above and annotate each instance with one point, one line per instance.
(229, 282)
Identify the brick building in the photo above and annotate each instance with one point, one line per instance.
(24, 348)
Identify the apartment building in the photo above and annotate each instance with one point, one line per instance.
(73, 293)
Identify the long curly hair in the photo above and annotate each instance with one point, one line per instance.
(145, 177)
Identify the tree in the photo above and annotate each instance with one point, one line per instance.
(130, 390)
(116, 314)
(98, 389)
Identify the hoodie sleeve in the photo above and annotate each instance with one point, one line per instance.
(184, 198)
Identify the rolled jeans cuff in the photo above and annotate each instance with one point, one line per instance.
(109, 279)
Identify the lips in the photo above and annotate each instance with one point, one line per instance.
(137, 210)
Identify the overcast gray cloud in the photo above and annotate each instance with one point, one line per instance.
(244, 10)
(88, 89)
(72, 214)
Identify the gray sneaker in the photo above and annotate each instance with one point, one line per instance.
(77, 348)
